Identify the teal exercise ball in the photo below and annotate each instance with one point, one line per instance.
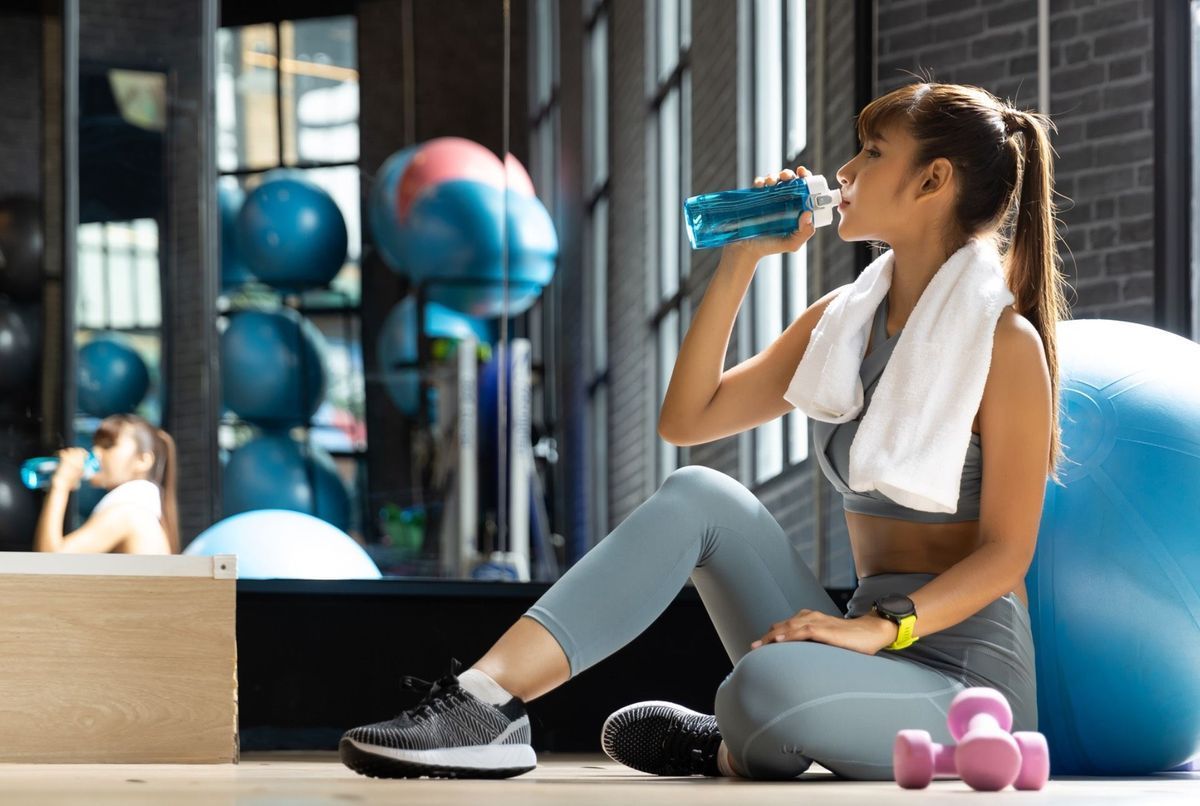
(112, 378)
(273, 367)
(1114, 587)
(234, 271)
(398, 345)
(275, 471)
(291, 233)
(280, 544)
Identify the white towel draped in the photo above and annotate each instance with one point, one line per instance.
(913, 440)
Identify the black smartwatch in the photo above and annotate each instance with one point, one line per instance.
(898, 608)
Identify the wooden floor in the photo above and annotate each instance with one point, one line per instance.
(309, 779)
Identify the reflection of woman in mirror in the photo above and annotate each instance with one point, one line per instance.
(138, 514)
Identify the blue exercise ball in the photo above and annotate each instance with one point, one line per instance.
(382, 216)
(113, 378)
(454, 235)
(273, 367)
(234, 271)
(291, 233)
(1114, 587)
(277, 472)
(280, 544)
(398, 345)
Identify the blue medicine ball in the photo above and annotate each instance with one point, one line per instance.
(276, 472)
(291, 233)
(273, 367)
(1114, 587)
(113, 378)
(278, 544)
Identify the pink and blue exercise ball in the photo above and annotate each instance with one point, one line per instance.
(398, 345)
(1114, 587)
(275, 471)
(386, 233)
(291, 233)
(455, 238)
(445, 159)
(273, 367)
(280, 544)
(112, 378)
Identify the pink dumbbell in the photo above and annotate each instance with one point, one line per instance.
(986, 757)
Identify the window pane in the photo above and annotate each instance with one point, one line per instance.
(685, 24)
(319, 75)
(599, 122)
(670, 206)
(797, 79)
(343, 185)
(247, 122)
(668, 350)
(600, 285)
(341, 418)
(768, 95)
(543, 20)
(668, 37)
(797, 272)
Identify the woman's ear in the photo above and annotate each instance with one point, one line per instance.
(936, 177)
(144, 463)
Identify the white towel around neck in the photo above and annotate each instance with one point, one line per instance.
(913, 440)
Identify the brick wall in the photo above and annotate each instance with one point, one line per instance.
(1101, 99)
(20, 98)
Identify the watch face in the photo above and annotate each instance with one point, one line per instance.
(895, 604)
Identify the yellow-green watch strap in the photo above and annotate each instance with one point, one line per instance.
(905, 636)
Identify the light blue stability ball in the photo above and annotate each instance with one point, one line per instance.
(112, 378)
(275, 471)
(382, 216)
(273, 367)
(454, 233)
(1114, 587)
(398, 345)
(291, 233)
(279, 544)
(234, 271)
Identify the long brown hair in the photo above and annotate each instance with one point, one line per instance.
(1005, 163)
(159, 443)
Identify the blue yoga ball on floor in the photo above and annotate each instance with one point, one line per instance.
(273, 367)
(279, 544)
(113, 378)
(1114, 587)
(291, 233)
(277, 472)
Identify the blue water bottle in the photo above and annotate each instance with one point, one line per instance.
(715, 219)
(37, 472)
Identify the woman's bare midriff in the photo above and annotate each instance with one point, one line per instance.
(891, 546)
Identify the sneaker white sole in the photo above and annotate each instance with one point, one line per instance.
(615, 718)
(482, 757)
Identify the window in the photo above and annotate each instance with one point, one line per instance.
(287, 97)
(668, 83)
(596, 196)
(779, 292)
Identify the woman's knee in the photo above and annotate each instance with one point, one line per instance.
(700, 485)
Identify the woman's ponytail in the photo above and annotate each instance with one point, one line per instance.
(165, 476)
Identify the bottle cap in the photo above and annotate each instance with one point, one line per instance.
(823, 200)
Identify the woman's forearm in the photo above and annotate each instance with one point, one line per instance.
(49, 535)
(701, 359)
(968, 586)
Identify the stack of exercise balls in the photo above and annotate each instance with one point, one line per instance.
(289, 234)
(441, 213)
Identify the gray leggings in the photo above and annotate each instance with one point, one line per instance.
(784, 705)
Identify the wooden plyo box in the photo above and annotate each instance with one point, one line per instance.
(113, 658)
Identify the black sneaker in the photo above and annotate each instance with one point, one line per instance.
(662, 738)
(450, 734)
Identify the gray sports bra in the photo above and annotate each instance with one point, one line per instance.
(833, 447)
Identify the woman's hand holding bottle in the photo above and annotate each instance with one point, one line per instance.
(70, 468)
(760, 247)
